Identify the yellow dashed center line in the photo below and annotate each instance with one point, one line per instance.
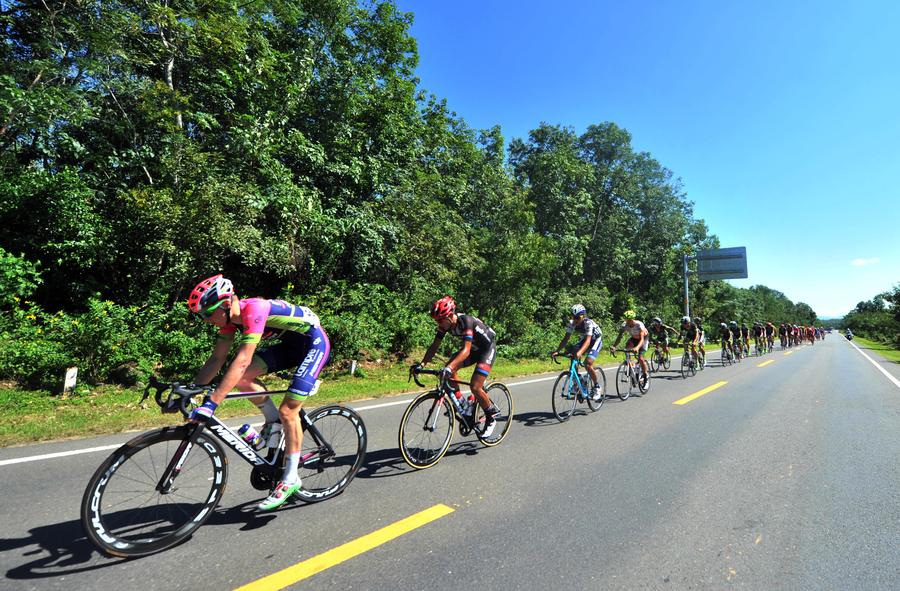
(335, 556)
(788, 352)
(765, 363)
(696, 395)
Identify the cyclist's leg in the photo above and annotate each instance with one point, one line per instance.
(483, 362)
(640, 356)
(591, 356)
(314, 352)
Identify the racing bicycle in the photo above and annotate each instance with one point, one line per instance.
(575, 386)
(157, 489)
(426, 427)
(660, 359)
(629, 377)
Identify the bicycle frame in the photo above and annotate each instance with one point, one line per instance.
(574, 378)
(238, 445)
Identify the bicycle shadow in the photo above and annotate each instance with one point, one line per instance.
(61, 549)
(384, 463)
(536, 419)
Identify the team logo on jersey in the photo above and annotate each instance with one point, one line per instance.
(317, 341)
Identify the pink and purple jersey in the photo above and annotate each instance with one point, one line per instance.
(263, 319)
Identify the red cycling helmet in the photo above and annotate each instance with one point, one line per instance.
(209, 293)
(443, 308)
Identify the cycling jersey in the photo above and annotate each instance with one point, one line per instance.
(303, 343)
(263, 319)
(689, 332)
(590, 331)
(482, 338)
(587, 328)
(635, 331)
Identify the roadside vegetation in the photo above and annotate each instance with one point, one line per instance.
(289, 145)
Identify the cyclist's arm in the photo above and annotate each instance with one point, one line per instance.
(463, 354)
(216, 360)
(618, 338)
(233, 374)
(429, 354)
(670, 329)
(584, 348)
(563, 342)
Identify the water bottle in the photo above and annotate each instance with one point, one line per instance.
(251, 436)
(470, 405)
(461, 402)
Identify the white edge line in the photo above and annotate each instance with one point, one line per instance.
(60, 454)
(877, 365)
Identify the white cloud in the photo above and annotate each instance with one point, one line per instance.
(863, 262)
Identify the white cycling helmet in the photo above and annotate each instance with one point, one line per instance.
(577, 310)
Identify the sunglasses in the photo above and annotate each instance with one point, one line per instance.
(204, 314)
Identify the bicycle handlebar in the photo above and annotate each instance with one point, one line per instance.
(415, 370)
(178, 398)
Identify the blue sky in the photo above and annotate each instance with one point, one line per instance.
(776, 115)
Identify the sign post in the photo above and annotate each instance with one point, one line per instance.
(717, 263)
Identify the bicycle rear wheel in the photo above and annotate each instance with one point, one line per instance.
(564, 397)
(331, 456)
(123, 513)
(502, 399)
(624, 383)
(595, 405)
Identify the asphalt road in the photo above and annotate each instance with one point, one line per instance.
(785, 477)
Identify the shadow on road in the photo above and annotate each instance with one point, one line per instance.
(383, 463)
(61, 549)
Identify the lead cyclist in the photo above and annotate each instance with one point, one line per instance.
(302, 344)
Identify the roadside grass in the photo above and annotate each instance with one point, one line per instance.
(29, 416)
(887, 351)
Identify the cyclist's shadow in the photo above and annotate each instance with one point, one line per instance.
(536, 419)
(383, 463)
(61, 549)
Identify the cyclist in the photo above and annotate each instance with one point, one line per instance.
(725, 337)
(701, 344)
(782, 335)
(758, 336)
(690, 335)
(770, 336)
(638, 340)
(478, 348)
(659, 333)
(591, 343)
(745, 338)
(737, 348)
(302, 344)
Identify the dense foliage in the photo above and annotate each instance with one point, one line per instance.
(877, 319)
(287, 143)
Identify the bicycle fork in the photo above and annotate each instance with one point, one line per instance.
(167, 480)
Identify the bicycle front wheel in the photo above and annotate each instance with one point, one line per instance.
(123, 511)
(502, 399)
(655, 361)
(667, 360)
(685, 363)
(564, 397)
(624, 383)
(332, 452)
(595, 405)
(425, 430)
